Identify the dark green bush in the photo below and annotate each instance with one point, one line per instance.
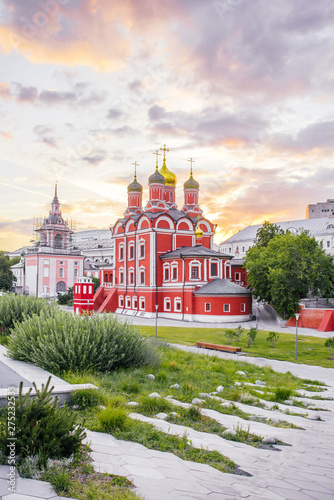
(66, 299)
(41, 427)
(113, 418)
(62, 342)
(85, 398)
(15, 308)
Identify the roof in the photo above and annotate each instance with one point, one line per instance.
(237, 262)
(196, 251)
(219, 286)
(317, 226)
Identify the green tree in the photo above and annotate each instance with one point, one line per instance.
(15, 260)
(7, 277)
(266, 233)
(96, 282)
(287, 269)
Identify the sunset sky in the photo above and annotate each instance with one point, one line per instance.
(87, 87)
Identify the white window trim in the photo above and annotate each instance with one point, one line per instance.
(195, 263)
(243, 307)
(214, 261)
(207, 304)
(166, 266)
(141, 308)
(167, 300)
(120, 247)
(177, 300)
(121, 271)
(131, 245)
(140, 270)
(121, 301)
(134, 299)
(173, 266)
(228, 308)
(128, 302)
(237, 274)
(131, 270)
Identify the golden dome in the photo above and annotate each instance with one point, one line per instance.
(170, 178)
(198, 233)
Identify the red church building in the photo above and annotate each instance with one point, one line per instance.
(165, 261)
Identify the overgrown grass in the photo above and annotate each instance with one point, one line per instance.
(15, 308)
(311, 350)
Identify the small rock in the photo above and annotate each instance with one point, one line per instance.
(204, 395)
(161, 416)
(174, 414)
(241, 373)
(214, 393)
(229, 432)
(132, 403)
(219, 389)
(288, 402)
(269, 440)
(154, 395)
(169, 397)
(237, 384)
(314, 416)
(150, 376)
(216, 398)
(226, 405)
(259, 382)
(101, 407)
(75, 407)
(197, 401)
(175, 386)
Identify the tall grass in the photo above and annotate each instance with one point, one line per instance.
(61, 341)
(15, 308)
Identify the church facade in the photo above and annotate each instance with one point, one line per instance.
(164, 259)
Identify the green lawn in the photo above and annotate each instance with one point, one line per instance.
(311, 350)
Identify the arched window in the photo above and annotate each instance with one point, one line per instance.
(61, 287)
(61, 272)
(58, 241)
(75, 273)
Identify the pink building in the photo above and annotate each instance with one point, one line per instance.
(51, 267)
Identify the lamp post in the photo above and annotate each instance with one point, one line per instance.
(297, 318)
(156, 320)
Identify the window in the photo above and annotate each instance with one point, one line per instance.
(174, 271)
(61, 272)
(237, 276)
(328, 244)
(227, 271)
(46, 272)
(207, 306)
(167, 304)
(76, 263)
(85, 289)
(242, 307)
(134, 303)
(121, 301)
(166, 274)
(177, 304)
(142, 251)
(131, 277)
(243, 249)
(131, 252)
(142, 303)
(194, 272)
(58, 241)
(106, 278)
(121, 253)
(61, 263)
(142, 277)
(226, 308)
(128, 302)
(214, 269)
(75, 273)
(121, 277)
(230, 250)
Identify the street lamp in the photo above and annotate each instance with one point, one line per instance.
(156, 320)
(297, 318)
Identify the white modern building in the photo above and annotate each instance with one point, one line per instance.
(321, 228)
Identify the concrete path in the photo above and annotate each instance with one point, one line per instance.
(303, 470)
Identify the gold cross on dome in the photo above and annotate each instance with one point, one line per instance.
(191, 165)
(156, 153)
(164, 149)
(136, 165)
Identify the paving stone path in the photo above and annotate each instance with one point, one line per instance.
(304, 470)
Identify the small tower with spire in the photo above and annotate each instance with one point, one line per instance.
(54, 233)
(191, 191)
(135, 196)
(156, 183)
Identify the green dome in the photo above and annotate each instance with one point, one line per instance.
(191, 183)
(135, 186)
(156, 178)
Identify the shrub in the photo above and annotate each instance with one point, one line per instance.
(273, 338)
(251, 334)
(330, 346)
(66, 299)
(154, 405)
(282, 393)
(113, 418)
(230, 335)
(239, 331)
(62, 342)
(42, 428)
(85, 398)
(15, 308)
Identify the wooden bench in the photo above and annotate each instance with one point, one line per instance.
(218, 347)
